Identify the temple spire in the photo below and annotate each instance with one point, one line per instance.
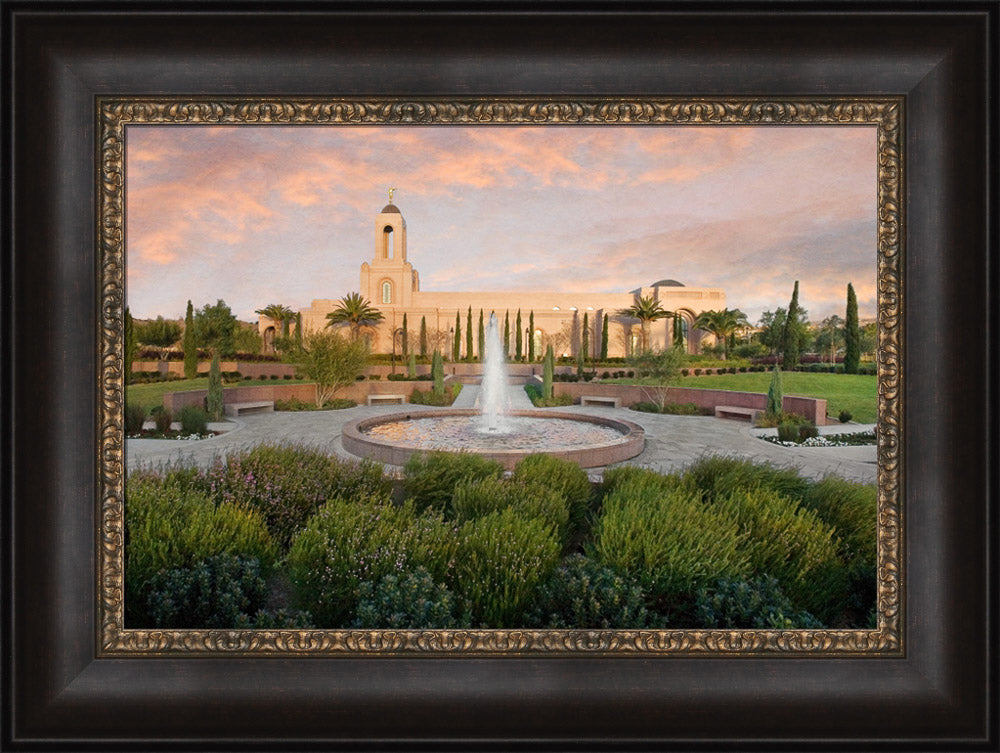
(391, 191)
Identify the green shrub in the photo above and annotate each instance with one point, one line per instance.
(174, 525)
(194, 420)
(845, 416)
(563, 476)
(347, 543)
(584, 594)
(406, 602)
(789, 431)
(212, 593)
(672, 409)
(135, 415)
(163, 419)
(534, 393)
(275, 619)
(429, 479)
(852, 509)
(757, 603)
(719, 475)
(287, 484)
(480, 497)
(500, 560)
(658, 531)
(792, 544)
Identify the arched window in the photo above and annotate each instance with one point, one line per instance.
(386, 292)
(387, 242)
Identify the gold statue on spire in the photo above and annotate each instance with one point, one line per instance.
(391, 190)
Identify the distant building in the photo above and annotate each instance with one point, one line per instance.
(392, 286)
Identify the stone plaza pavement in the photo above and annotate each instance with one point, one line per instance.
(672, 442)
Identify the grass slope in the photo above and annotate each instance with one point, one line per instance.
(151, 394)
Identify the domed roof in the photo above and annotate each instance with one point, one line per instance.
(390, 209)
(667, 284)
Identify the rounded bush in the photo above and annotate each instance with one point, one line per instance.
(429, 479)
(194, 419)
(477, 498)
(405, 602)
(565, 477)
(135, 415)
(163, 419)
(757, 603)
(845, 416)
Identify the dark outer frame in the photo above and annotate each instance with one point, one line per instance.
(59, 56)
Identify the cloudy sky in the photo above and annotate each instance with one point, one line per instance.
(284, 214)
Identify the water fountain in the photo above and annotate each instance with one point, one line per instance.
(493, 429)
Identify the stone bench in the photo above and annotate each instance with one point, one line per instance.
(614, 402)
(260, 406)
(737, 412)
(376, 399)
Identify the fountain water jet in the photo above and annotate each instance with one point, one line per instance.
(493, 401)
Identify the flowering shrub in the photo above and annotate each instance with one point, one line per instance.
(364, 539)
(563, 476)
(429, 479)
(288, 484)
(476, 498)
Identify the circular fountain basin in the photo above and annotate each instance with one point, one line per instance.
(589, 441)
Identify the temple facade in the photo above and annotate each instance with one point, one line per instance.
(392, 285)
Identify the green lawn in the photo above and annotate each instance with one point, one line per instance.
(854, 392)
(151, 394)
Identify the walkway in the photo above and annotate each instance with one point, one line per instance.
(672, 442)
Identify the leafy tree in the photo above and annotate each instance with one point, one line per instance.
(518, 351)
(468, 336)
(723, 324)
(456, 346)
(531, 336)
(791, 340)
(604, 338)
(190, 345)
(482, 337)
(159, 333)
(214, 400)
(330, 360)
(246, 339)
(437, 373)
(830, 336)
(774, 396)
(215, 328)
(131, 344)
(852, 336)
(356, 312)
(647, 310)
(423, 336)
(868, 339)
(406, 338)
(657, 368)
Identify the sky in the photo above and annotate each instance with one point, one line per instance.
(256, 215)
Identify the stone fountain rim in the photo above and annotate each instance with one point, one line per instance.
(362, 445)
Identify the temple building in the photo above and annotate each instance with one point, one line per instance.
(392, 285)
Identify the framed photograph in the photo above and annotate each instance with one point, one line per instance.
(169, 170)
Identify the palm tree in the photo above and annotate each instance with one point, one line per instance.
(356, 312)
(647, 310)
(722, 324)
(279, 314)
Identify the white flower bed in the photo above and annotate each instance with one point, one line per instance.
(829, 441)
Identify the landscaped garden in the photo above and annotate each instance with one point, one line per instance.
(286, 536)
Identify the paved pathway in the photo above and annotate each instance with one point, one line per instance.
(672, 442)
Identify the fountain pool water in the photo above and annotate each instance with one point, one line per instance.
(493, 430)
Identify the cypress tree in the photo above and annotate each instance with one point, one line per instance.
(531, 336)
(437, 372)
(406, 338)
(585, 341)
(190, 349)
(517, 337)
(411, 366)
(456, 346)
(774, 396)
(214, 399)
(604, 338)
(131, 344)
(506, 335)
(548, 371)
(482, 337)
(678, 331)
(468, 336)
(298, 331)
(791, 335)
(423, 337)
(852, 334)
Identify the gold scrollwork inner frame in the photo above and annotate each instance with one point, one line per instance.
(115, 114)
